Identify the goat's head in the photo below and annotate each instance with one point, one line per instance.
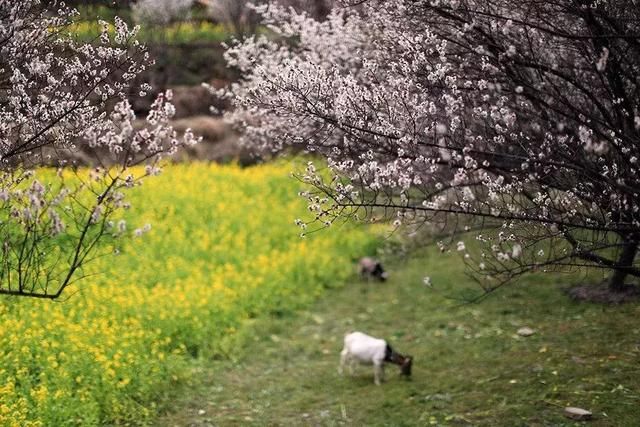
(379, 272)
(405, 365)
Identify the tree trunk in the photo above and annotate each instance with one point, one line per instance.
(616, 281)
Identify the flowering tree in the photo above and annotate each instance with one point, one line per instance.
(57, 95)
(515, 122)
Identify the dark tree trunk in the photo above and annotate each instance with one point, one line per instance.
(616, 281)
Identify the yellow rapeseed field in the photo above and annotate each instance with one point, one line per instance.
(223, 249)
(180, 32)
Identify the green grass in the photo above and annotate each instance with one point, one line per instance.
(470, 368)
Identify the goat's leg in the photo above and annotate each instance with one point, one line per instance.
(378, 373)
(352, 365)
(344, 356)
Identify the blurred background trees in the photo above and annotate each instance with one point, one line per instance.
(186, 41)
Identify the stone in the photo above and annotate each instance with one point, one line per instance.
(577, 413)
(525, 331)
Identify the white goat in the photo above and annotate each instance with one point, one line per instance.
(367, 350)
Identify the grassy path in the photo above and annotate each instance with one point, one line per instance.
(471, 367)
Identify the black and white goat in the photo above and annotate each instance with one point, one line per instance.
(367, 350)
(370, 268)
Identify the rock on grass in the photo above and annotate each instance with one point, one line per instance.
(577, 413)
(526, 331)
